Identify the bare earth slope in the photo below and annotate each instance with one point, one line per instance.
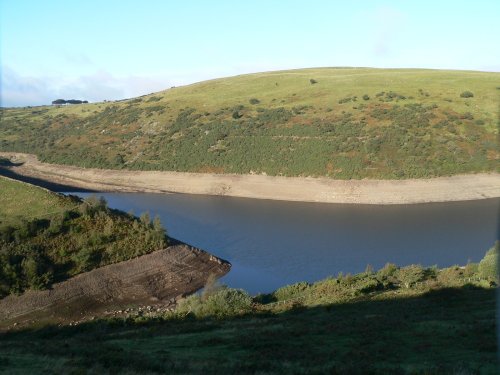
(441, 189)
(150, 279)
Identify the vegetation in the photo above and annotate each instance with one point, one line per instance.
(357, 123)
(394, 321)
(70, 101)
(488, 267)
(466, 94)
(70, 236)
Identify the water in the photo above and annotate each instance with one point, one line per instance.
(273, 243)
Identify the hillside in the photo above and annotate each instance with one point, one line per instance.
(21, 202)
(340, 123)
(409, 320)
(47, 238)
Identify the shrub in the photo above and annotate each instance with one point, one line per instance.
(410, 275)
(291, 291)
(488, 267)
(366, 97)
(450, 276)
(467, 94)
(222, 303)
(388, 270)
(313, 81)
(254, 101)
(368, 284)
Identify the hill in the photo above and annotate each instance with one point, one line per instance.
(407, 320)
(20, 201)
(340, 123)
(47, 238)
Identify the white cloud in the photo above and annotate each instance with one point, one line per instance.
(21, 90)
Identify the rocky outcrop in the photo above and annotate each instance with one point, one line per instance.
(155, 278)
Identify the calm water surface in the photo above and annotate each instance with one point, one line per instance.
(273, 243)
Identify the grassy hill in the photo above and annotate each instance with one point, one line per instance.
(20, 201)
(342, 123)
(407, 320)
(46, 237)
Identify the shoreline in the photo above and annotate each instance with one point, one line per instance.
(159, 278)
(303, 189)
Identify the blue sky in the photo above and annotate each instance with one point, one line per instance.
(98, 50)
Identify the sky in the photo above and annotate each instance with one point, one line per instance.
(109, 50)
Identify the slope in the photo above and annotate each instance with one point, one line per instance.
(340, 123)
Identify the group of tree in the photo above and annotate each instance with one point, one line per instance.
(70, 101)
(38, 252)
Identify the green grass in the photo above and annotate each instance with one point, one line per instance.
(19, 201)
(419, 127)
(442, 330)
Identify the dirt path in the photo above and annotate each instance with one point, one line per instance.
(441, 189)
(155, 279)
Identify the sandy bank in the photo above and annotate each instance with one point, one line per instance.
(153, 279)
(441, 189)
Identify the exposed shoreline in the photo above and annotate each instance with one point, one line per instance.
(159, 278)
(306, 189)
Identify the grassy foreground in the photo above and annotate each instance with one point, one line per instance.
(395, 321)
(341, 123)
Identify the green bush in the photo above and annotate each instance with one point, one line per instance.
(313, 81)
(366, 97)
(488, 267)
(388, 270)
(410, 275)
(222, 303)
(467, 94)
(291, 291)
(254, 101)
(368, 284)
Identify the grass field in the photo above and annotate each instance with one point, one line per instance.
(345, 123)
(446, 330)
(20, 201)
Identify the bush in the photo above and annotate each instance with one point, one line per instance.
(410, 275)
(254, 101)
(366, 97)
(291, 291)
(222, 303)
(313, 81)
(388, 270)
(488, 267)
(467, 94)
(368, 285)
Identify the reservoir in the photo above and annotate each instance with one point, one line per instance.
(273, 243)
